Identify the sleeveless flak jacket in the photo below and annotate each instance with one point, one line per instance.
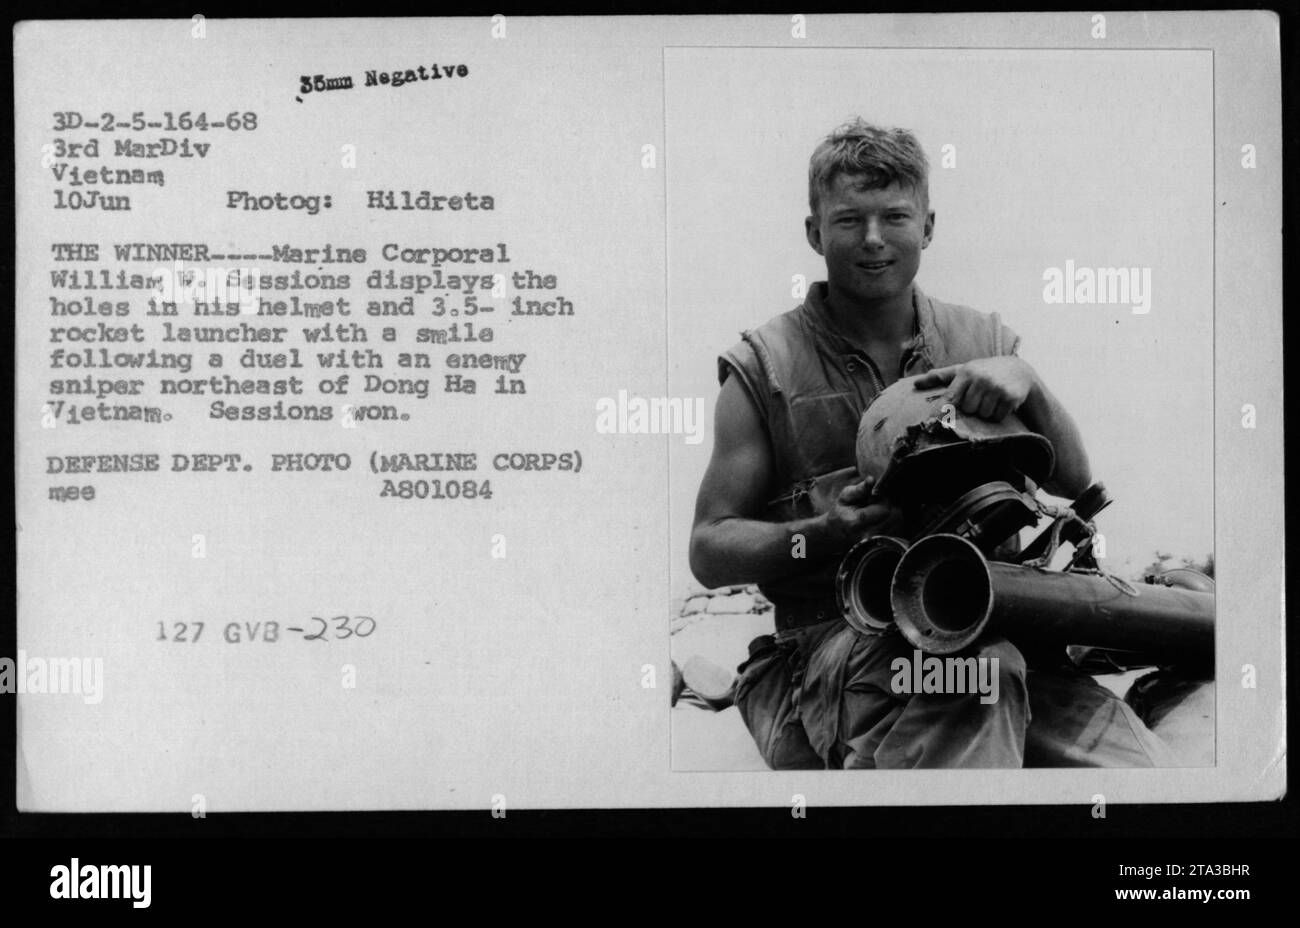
(810, 386)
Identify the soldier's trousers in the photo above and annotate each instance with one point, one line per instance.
(827, 696)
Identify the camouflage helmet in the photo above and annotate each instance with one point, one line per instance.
(918, 450)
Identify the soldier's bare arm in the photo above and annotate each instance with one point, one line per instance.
(729, 542)
(1043, 413)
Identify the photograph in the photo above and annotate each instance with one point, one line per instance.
(953, 312)
(380, 381)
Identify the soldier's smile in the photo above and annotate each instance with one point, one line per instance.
(871, 238)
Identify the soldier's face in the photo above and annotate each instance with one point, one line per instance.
(872, 239)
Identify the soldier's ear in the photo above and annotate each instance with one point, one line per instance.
(812, 229)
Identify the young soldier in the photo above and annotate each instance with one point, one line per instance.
(783, 473)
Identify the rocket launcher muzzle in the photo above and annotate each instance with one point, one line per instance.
(944, 594)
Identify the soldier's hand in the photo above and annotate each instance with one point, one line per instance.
(990, 388)
(856, 514)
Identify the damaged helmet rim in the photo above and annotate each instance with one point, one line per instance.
(906, 435)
